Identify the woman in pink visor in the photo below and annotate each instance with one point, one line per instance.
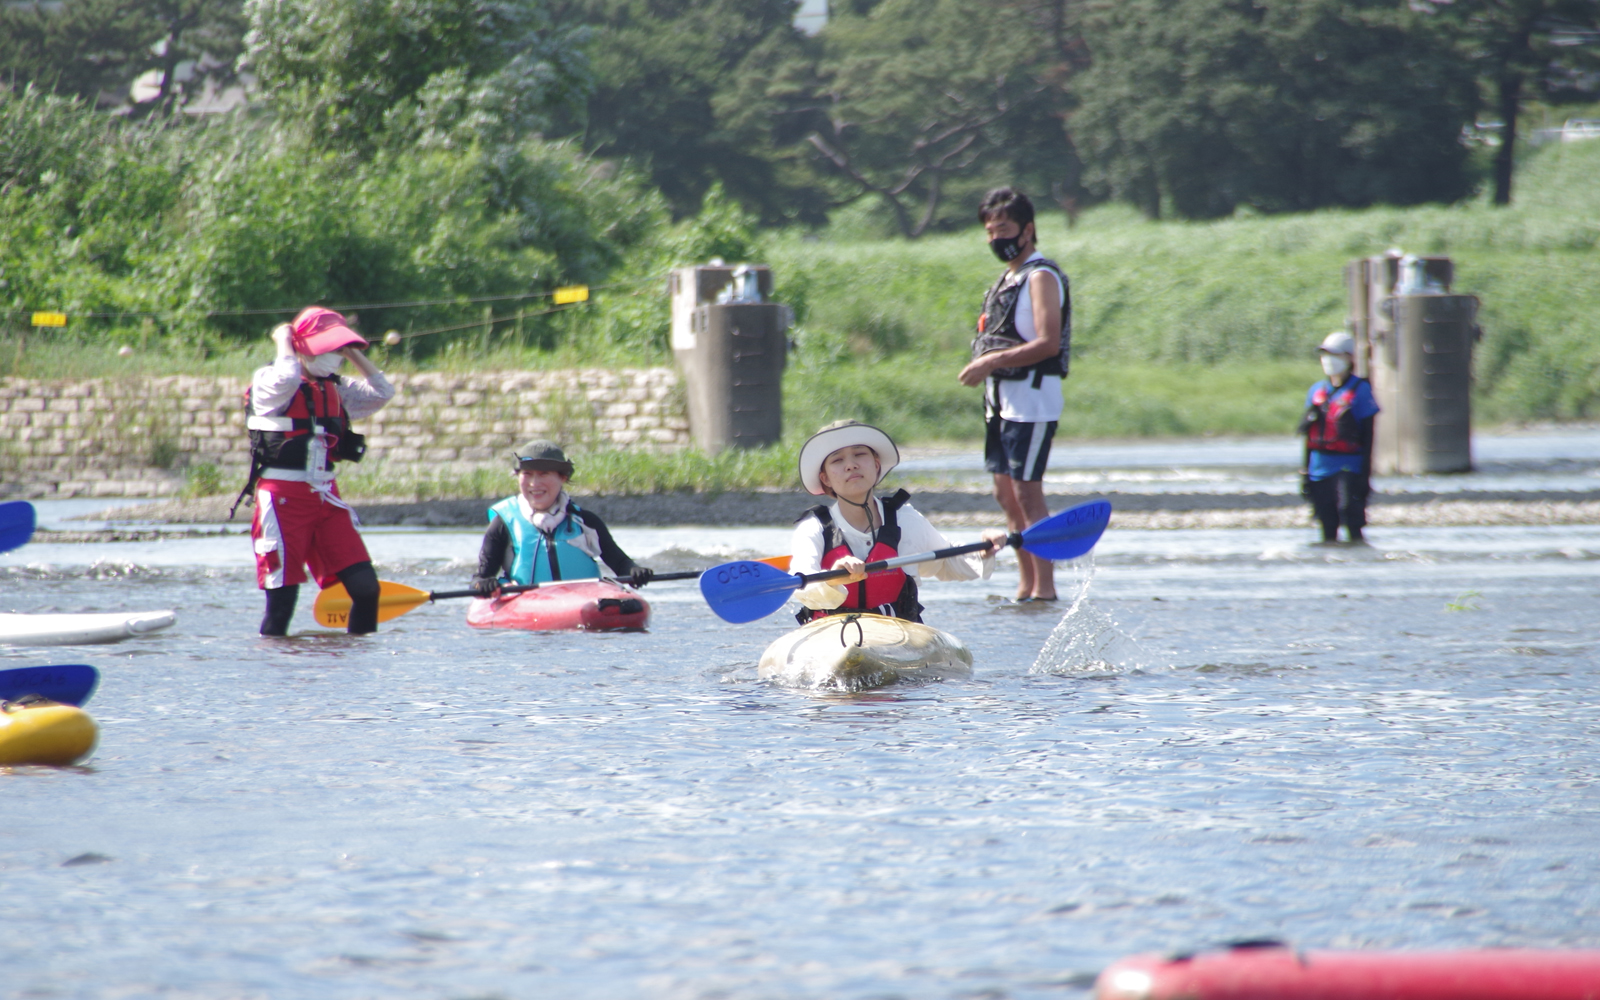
(298, 413)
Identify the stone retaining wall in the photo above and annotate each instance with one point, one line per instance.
(140, 436)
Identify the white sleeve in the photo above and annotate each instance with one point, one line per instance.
(805, 546)
(362, 397)
(805, 556)
(274, 385)
(917, 535)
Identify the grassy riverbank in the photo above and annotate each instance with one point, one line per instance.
(1159, 306)
(611, 473)
(1180, 328)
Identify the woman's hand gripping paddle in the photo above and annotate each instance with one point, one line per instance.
(17, 521)
(744, 591)
(69, 684)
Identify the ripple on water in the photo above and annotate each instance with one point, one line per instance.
(439, 811)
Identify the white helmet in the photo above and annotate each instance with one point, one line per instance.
(1338, 342)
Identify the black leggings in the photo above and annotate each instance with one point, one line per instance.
(1341, 498)
(360, 579)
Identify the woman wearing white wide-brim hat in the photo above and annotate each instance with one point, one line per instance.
(846, 460)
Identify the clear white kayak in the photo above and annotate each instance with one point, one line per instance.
(76, 630)
(856, 652)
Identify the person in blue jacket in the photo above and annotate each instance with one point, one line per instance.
(1338, 425)
(540, 535)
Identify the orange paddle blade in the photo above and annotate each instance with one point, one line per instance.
(394, 599)
(777, 562)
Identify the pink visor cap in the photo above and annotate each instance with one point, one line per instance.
(319, 331)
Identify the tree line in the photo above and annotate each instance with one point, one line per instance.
(1185, 108)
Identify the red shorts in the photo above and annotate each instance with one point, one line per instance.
(295, 528)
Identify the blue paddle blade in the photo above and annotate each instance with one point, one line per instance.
(1069, 534)
(70, 684)
(16, 524)
(744, 591)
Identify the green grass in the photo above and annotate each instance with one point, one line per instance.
(916, 401)
(1180, 328)
(1241, 292)
(605, 473)
(917, 398)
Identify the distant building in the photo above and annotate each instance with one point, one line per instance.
(812, 16)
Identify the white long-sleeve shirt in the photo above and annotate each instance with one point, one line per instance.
(916, 535)
(275, 384)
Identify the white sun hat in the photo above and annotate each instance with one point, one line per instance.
(1338, 342)
(843, 434)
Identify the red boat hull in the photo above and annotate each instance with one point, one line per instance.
(1280, 973)
(585, 605)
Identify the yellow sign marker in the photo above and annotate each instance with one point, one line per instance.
(49, 319)
(570, 294)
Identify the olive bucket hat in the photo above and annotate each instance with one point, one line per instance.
(541, 455)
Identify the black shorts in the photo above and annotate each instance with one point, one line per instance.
(1018, 450)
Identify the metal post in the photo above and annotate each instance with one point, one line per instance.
(1416, 345)
(732, 354)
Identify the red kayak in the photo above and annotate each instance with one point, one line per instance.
(587, 605)
(1276, 972)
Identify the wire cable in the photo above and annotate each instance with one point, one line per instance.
(354, 307)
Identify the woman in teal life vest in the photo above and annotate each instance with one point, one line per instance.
(540, 535)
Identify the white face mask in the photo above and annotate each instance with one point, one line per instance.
(323, 365)
(1335, 364)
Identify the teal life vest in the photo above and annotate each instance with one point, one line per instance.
(531, 548)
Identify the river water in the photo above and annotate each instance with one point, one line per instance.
(1235, 735)
(1552, 460)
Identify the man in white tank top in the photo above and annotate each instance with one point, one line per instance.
(1020, 361)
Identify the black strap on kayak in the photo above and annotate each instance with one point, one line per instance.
(861, 636)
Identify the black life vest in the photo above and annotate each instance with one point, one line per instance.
(892, 593)
(1336, 429)
(997, 324)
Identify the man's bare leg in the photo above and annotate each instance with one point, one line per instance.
(1042, 578)
(1016, 520)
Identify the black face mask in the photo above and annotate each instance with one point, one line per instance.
(1007, 247)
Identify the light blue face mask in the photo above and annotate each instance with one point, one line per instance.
(1335, 364)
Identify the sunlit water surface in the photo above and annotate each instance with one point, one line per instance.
(1232, 735)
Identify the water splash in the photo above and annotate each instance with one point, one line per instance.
(1087, 640)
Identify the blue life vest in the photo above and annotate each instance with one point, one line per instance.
(531, 548)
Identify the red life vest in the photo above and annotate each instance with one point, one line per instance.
(283, 441)
(892, 593)
(1336, 430)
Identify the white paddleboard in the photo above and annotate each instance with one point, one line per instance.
(857, 652)
(76, 630)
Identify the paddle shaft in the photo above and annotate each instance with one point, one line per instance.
(692, 574)
(807, 579)
(515, 588)
(688, 574)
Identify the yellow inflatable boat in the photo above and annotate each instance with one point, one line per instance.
(856, 652)
(44, 732)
